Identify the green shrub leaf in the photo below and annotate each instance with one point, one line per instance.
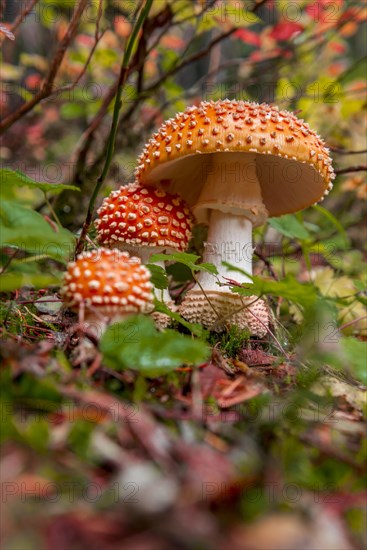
(304, 294)
(136, 344)
(158, 276)
(194, 328)
(186, 259)
(27, 230)
(289, 226)
(355, 352)
(11, 178)
(12, 281)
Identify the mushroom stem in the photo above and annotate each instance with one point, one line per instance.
(231, 203)
(97, 324)
(229, 240)
(145, 253)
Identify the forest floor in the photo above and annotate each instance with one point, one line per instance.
(254, 448)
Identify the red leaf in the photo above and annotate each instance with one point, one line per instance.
(249, 37)
(172, 42)
(33, 81)
(337, 47)
(285, 30)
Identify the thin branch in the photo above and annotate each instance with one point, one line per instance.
(267, 264)
(359, 168)
(97, 37)
(258, 4)
(86, 139)
(46, 89)
(175, 69)
(82, 147)
(8, 262)
(191, 59)
(207, 5)
(341, 151)
(20, 18)
(342, 327)
(52, 211)
(2, 8)
(112, 138)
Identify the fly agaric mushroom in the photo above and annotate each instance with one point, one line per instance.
(109, 285)
(144, 222)
(235, 163)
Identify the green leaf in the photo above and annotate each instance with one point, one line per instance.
(169, 59)
(35, 432)
(33, 60)
(70, 111)
(80, 438)
(179, 272)
(12, 281)
(194, 328)
(136, 344)
(27, 230)
(304, 294)
(355, 352)
(186, 259)
(334, 221)
(158, 276)
(289, 226)
(9, 178)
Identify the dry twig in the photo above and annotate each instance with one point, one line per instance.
(359, 168)
(47, 87)
(22, 15)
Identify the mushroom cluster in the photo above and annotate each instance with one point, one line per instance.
(145, 221)
(235, 163)
(108, 285)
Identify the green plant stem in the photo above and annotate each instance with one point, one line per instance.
(115, 119)
(52, 211)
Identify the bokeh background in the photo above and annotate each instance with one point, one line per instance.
(158, 475)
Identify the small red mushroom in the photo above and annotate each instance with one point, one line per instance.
(108, 285)
(144, 218)
(144, 221)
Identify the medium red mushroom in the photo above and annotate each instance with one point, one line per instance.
(106, 286)
(235, 163)
(144, 221)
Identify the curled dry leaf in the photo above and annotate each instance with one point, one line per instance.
(7, 32)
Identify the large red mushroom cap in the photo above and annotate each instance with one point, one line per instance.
(144, 217)
(109, 282)
(293, 165)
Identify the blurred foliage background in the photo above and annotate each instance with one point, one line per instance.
(226, 465)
